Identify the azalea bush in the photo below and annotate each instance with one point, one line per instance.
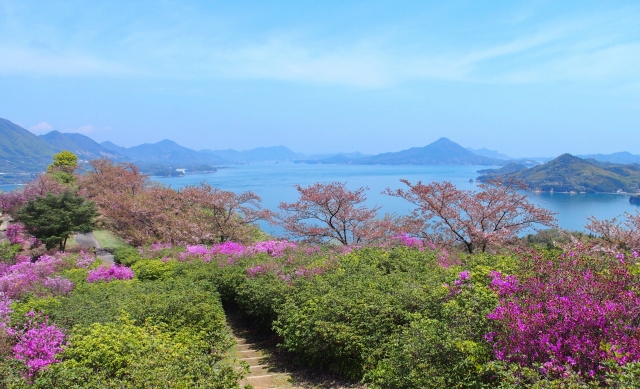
(566, 314)
(24, 277)
(38, 343)
(113, 272)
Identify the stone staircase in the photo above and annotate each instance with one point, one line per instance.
(270, 367)
(261, 374)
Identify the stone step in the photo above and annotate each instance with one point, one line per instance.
(240, 341)
(249, 354)
(259, 371)
(248, 359)
(244, 346)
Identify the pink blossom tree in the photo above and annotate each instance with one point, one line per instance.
(478, 220)
(622, 234)
(332, 212)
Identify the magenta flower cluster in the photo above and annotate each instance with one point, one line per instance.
(275, 248)
(5, 311)
(409, 241)
(15, 234)
(308, 272)
(113, 272)
(38, 343)
(59, 286)
(228, 248)
(233, 250)
(85, 260)
(566, 316)
(254, 271)
(23, 277)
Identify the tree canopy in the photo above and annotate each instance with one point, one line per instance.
(55, 217)
(63, 166)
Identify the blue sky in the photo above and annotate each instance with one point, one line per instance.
(534, 78)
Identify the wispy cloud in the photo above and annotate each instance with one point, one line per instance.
(43, 62)
(41, 128)
(587, 48)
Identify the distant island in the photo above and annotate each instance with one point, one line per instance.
(568, 173)
(24, 155)
(441, 152)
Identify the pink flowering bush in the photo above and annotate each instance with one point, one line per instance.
(38, 343)
(566, 314)
(15, 234)
(410, 241)
(228, 248)
(256, 270)
(5, 311)
(274, 248)
(197, 250)
(23, 277)
(113, 272)
(59, 286)
(85, 260)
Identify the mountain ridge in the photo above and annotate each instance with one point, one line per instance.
(568, 173)
(442, 152)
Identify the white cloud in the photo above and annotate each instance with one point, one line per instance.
(594, 47)
(31, 62)
(86, 129)
(41, 128)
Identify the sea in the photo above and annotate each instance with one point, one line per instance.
(274, 183)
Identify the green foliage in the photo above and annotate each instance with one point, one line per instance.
(446, 353)
(126, 256)
(63, 166)
(620, 377)
(8, 252)
(124, 355)
(35, 304)
(340, 319)
(178, 304)
(152, 269)
(65, 159)
(53, 218)
(261, 297)
(77, 275)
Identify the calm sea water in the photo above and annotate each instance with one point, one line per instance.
(274, 183)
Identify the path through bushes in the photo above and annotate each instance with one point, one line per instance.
(270, 367)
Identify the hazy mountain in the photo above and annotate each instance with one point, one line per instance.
(22, 151)
(569, 173)
(621, 157)
(441, 152)
(506, 170)
(168, 152)
(260, 154)
(488, 153)
(81, 145)
(113, 147)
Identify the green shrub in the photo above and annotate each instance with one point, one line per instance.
(152, 269)
(35, 304)
(342, 318)
(8, 252)
(262, 297)
(126, 256)
(178, 304)
(129, 356)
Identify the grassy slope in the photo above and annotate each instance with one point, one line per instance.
(108, 239)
